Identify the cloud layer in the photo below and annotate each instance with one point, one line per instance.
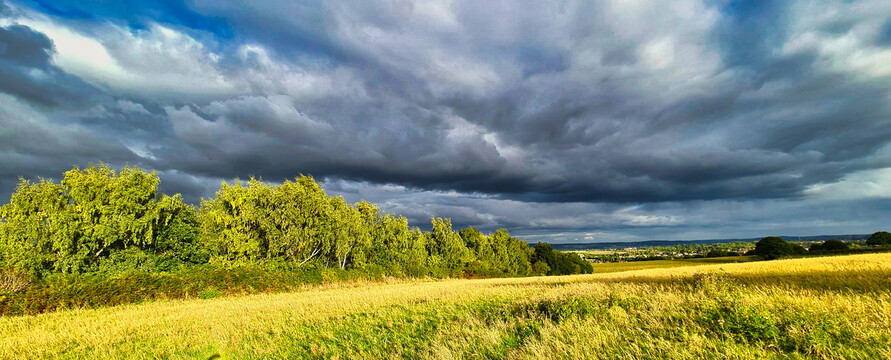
(558, 120)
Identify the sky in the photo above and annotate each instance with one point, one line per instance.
(561, 121)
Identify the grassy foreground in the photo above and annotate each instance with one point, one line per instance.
(832, 307)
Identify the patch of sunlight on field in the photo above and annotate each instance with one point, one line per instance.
(663, 264)
(832, 307)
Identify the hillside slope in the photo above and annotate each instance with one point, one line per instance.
(832, 307)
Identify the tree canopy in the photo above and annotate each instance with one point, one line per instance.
(71, 226)
(99, 219)
(773, 247)
(882, 238)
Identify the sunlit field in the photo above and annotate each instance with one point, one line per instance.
(663, 264)
(831, 307)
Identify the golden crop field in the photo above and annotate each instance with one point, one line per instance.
(664, 264)
(829, 307)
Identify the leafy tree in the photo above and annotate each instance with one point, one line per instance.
(32, 227)
(540, 268)
(566, 263)
(773, 247)
(543, 252)
(232, 222)
(418, 257)
(105, 221)
(881, 238)
(294, 222)
(70, 227)
(447, 246)
(831, 245)
(558, 262)
(518, 255)
(479, 245)
(349, 236)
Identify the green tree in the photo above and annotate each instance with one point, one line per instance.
(478, 244)
(773, 247)
(544, 253)
(293, 222)
(447, 246)
(349, 236)
(512, 255)
(232, 221)
(881, 238)
(540, 268)
(834, 244)
(33, 224)
(72, 226)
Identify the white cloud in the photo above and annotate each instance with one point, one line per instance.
(158, 63)
(266, 75)
(851, 51)
(869, 184)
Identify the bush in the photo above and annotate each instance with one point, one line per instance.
(60, 291)
(209, 293)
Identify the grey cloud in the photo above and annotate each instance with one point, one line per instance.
(883, 38)
(50, 119)
(590, 132)
(555, 117)
(571, 222)
(193, 188)
(26, 71)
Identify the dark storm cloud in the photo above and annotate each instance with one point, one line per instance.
(576, 110)
(593, 132)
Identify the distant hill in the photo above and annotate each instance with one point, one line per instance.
(650, 243)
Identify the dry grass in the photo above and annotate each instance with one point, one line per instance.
(12, 281)
(836, 307)
(664, 264)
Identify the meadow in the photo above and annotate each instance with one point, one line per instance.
(664, 264)
(823, 307)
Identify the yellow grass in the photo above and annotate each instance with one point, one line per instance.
(663, 264)
(650, 313)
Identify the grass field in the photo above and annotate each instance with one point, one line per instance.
(830, 307)
(665, 264)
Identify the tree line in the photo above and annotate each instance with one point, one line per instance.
(774, 247)
(98, 220)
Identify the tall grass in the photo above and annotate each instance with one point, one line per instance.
(64, 291)
(834, 307)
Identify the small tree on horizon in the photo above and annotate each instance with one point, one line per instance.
(773, 247)
(881, 238)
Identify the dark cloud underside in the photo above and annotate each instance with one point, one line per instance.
(612, 114)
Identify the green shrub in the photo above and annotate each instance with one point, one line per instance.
(209, 292)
